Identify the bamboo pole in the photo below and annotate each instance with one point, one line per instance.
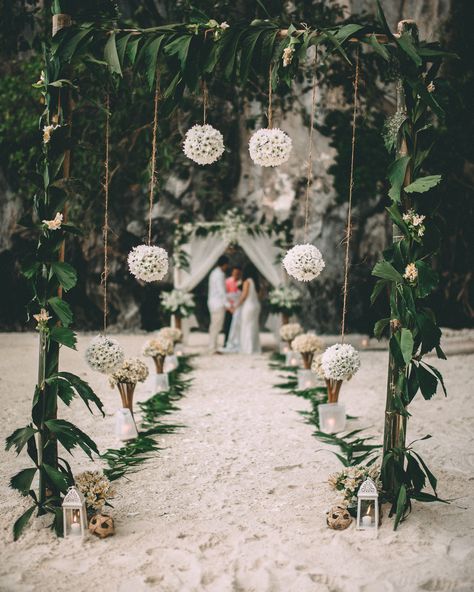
(395, 423)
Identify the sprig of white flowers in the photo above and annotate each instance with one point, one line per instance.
(96, 489)
(172, 333)
(158, 346)
(148, 263)
(348, 481)
(289, 331)
(270, 147)
(415, 224)
(340, 362)
(306, 344)
(284, 299)
(131, 371)
(178, 302)
(304, 262)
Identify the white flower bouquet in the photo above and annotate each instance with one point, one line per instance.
(126, 377)
(303, 262)
(178, 302)
(203, 144)
(96, 489)
(148, 263)
(158, 348)
(285, 300)
(307, 345)
(104, 354)
(338, 363)
(289, 331)
(270, 147)
(348, 481)
(171, 333)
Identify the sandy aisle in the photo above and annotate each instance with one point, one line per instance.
(236, 499)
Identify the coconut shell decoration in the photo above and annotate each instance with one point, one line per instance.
(338, 518)
(101, 526)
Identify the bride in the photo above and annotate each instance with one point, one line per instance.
(249, 305)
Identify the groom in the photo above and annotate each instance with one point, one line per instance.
(216, 301)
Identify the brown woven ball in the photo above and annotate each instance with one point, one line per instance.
(102, 525)
(338, 518)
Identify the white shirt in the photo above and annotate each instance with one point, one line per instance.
(216, 295)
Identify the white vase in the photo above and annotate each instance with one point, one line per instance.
(306, 379)
(332, 417)
(293, 359)
(125, 428)
(171, 363)
(161, 382)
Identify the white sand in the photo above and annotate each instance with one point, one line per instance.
(236, 500)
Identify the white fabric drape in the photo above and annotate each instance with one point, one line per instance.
(203, 253)
(264, 254)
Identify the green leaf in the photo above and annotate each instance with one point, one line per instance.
(65, 391)
(401, 506)
(20, 437)
(180, 48)
(121, 45)
(439, 376)
(427, 381)
(83, 390)
(423, 184)
(406, 43)
(382, 20)
(58, 478)
(415, 473)
(22, 480)
(347, 31)
(427, 279)
(150, 57)
(431, 478)
(71, 436)
(406, 345)
(396, 216)
(62, 310)
(64, 336)
(111, 55)
(65, 274)
(378, 47)
(132, 48)
(386, 271)
(248, 47)
(22, 522)
(379, 286)
(396, 176)
(380, 327)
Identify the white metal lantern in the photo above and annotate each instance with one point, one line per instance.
(306, 379)
(368, 506)
(293, 359)
(171, 363)
(125, 428)
(74, 513)
(162, 382)
(332, 417)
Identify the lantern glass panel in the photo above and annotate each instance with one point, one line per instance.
(366, 514)
(161, 382)
(332, 417)
(125, 428)
(171, 363)
(293, 359)
(306, 379)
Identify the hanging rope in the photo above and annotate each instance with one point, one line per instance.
(153, 156)
(105, 229)
(351, 189)
(309, 177)
(205, 99)
(270, 97)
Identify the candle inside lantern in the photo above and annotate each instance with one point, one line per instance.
(367, 518)
(365, 342)
(75, 526)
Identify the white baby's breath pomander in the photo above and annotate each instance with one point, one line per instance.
(304, 262)
(340, 362)
(203, 144)
(290, 330)
(148, 263)
(270, 147)
(104, 354)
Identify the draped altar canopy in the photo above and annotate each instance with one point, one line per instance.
(202, 253)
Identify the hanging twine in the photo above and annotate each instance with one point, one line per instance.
(205, 100)
(105, 229)
(309, 177)
(351, 189)
(153, 156)
(270, 97)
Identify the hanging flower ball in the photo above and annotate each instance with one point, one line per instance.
(270, 147)
(104, 354)
(148, 263)
(340, 362)
(304, 262)
(203, 144)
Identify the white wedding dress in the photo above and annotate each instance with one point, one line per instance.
(249, 322)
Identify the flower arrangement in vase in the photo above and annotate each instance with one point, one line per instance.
(285, 300)
(338, 363)
(178, 303)
(126, 377)
(307, 345)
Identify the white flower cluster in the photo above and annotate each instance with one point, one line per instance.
(158, 346)
(233, 226)
(288, 54)
(131, 371)
(284, 299)
(348, 481)
(306, 344)
(203, 144)
(304, 262)
(55, 223)
(289, 331)
(148, 263)
(104, 354)
(391, 128)
(48, 132)
(340, 362)
(411, 274)
(171, 333)
(95, 487)
(415, 224)
(270, 147)
(178, 301)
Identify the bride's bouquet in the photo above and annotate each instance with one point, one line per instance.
(178, 302)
